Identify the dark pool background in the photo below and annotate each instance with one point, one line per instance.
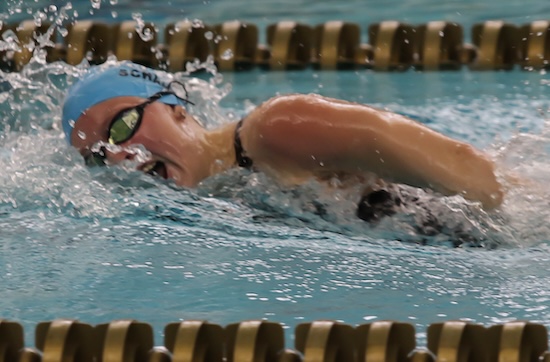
(99, 245)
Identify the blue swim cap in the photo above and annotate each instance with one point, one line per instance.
(113, 80)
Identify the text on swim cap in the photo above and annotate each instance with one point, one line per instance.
(151, 77)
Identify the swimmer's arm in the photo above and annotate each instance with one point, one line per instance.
(306, 132)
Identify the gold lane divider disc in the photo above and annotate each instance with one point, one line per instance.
(131, 46)
(177, 37)
(518, 341)
(11, 340)
(385, 341)
(279, 36)
(29, 355)
(328, 38)
(65, 340)
(458, 341)
(336, 43)
(186, 42)
(498, 45)
(382, 38)
(227, 45)
(325, 341)
(393, 45)
(88, 38)
(195, 341)
(431, 50)
(237, 47)
(440, 44)
(124, 341)
(124, 49)
(290, 45)
(535, 45)
(254, 341)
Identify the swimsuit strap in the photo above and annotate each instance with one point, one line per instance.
(240, 153)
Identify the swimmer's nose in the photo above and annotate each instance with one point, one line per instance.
(119, 156)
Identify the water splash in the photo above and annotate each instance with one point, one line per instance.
(144, 32)
(32, 145)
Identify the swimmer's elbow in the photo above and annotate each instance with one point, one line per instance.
(289, 104)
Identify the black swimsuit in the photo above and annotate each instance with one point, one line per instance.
(377, 204)
(240, 154)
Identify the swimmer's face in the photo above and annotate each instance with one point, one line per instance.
(169, 133)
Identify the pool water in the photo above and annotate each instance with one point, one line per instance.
(104, 244)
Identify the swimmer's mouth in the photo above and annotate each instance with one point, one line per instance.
(156, 168)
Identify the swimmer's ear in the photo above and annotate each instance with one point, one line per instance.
(179, 112)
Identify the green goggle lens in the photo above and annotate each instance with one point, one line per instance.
(124, 125)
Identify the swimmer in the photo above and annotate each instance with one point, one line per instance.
(293, 138)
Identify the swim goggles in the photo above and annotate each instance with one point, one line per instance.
(125, 124)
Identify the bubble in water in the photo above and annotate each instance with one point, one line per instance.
(114, 14)
(52, 8)
(228, 54)
(209, 35)
(81, 135)
(113, 2)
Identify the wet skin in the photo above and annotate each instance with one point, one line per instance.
(296, 137)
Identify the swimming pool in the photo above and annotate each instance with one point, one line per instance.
(99, 245)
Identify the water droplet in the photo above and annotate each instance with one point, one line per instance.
(228, 54)
(145, 33)
(96, 4)
(197, 23)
